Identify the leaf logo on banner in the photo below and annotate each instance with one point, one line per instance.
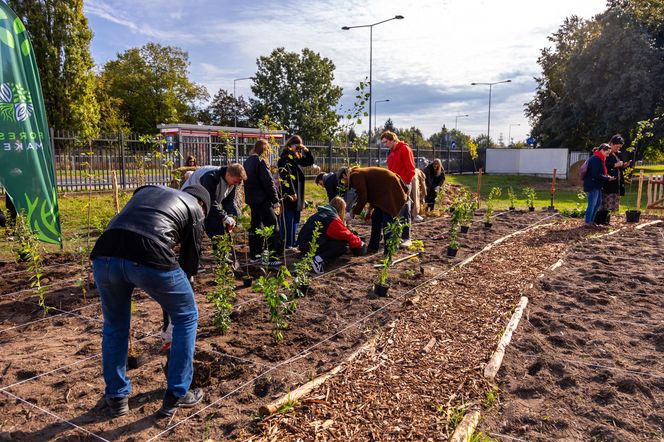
(15, 103)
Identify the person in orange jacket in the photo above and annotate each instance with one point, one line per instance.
(400, 161)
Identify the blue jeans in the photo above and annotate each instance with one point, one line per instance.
(291, 221)
(379, 220)
(116, 279)
(594, 203)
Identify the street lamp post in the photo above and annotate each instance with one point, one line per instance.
(509, 136)
(375, 125)
(235, 113)
(488, 129)
(456, 120)
(370, 26)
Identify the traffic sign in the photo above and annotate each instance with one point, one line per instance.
(530, 141)
(453, 145)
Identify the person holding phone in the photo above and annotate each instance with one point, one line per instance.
(613, 190)
(293, 158)
(594, 180)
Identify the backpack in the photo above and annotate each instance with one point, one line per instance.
(583, 170)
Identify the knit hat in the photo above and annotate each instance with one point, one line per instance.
(201, 194)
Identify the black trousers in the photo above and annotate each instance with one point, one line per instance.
(262, 215)
(330, 249)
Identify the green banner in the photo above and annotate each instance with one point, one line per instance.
(26, 161)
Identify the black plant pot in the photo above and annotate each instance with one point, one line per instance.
(464, 229)
(380, 290)
(531, 209)
(451, 209)
(633, 216)
(452, 252)
(246, 281)
(303, 290)
(136, 360)
(512, 208)
(488, 225)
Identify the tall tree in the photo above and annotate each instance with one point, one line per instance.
(61, 41)
(296, 91)
(153, 85)
(223, 109)
(602, 76)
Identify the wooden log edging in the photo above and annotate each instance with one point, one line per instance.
(464, 431)
(491, 369)
(302, 390)
(651, 223)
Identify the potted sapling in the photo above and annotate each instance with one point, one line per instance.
(393, 233)
(453, 247)
(302, 273)
(512, 197)
(529, 193)
(633, 215)
(493, 195)
(469, 206)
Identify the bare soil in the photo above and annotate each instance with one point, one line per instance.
(54, 364)
(586, 363)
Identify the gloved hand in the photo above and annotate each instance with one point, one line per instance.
(436, 189)
(229, 222)
(360, 251)
(292, 198)
(276, 206)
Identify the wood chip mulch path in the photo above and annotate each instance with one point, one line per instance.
(432, 356)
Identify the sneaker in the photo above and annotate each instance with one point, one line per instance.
(172, 403)
(201, 268)
(259, 263)
(317, 265)
(418, 219)
(118, 406)
(406, 243)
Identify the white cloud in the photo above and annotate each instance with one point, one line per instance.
(429, 58)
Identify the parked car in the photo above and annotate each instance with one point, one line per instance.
(421, 162)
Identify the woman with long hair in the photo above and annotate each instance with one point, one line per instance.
(293, 158)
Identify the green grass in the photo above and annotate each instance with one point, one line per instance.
(566, 194)
(650, 170)
(73, 206)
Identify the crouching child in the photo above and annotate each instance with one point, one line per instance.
(335, 238)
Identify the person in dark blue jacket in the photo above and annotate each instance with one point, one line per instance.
(260, 193)
(593, 181)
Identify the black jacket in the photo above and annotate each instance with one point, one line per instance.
(433, 181)
(259, 187)
(291, 177)
(331, 184)
(164, 216)
(212, 179)
(595, 177)
(618, 185)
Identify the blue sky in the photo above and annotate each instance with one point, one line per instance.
(424, 63)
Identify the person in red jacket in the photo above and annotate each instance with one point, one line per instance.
(400, 161)
(335, 238)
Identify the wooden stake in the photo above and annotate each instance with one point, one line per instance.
(638, 194)
(464, 431)
(553, 188)
(479, 187)
(116, 199)
(397, 261)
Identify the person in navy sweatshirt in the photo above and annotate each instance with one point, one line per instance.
(594, 180)
(335, 238)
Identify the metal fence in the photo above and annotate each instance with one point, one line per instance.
(81, 165)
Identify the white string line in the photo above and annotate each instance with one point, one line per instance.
(586, 319)
(60, 283)
(98, 355)
(653, 374)
(46, 318)
(64, 312)
(308, 350)
(43, 268)
(504, 436)
(249, 361)
(60, 418)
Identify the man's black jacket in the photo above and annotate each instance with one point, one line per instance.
(150, 225)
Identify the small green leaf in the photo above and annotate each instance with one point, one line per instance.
(6, 37)
(25, 47)
(18, 26)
